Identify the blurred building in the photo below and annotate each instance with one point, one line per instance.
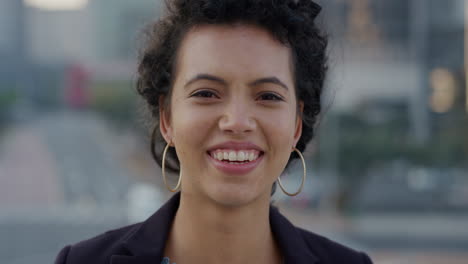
(38, 46)
(407, 35)
(11, 28)
(101, 34)
(12, 40)
(120, 25)
(60, 36)
(389, 49)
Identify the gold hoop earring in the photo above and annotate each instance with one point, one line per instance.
(163, 167)
(303, 177)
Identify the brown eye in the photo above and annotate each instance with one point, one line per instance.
(270, 97)
(204, 94)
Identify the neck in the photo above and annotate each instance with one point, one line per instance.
(204, 232)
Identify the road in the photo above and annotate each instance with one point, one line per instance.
(61, 180)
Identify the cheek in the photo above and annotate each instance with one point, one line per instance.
(279, 135)
(191, 127)
(279, 128)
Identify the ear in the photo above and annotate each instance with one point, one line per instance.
(164, 121)
(298, 127)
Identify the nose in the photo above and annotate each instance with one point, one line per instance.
(237, 118)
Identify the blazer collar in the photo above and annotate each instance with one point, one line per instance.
(147, 241)
(290, 240)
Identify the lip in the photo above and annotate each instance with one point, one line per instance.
(236, 146)
(229, 168)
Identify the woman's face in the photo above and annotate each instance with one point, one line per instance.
(233, 113)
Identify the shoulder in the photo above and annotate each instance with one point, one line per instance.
(98, 249)
(303, 246)
(329, 251)
(137, 242)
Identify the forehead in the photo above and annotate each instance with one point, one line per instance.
(242, 50)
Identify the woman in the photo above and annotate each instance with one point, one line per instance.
(235, 88)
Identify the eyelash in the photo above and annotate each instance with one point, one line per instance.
(275, 97)
(210, 94)
(199, 94)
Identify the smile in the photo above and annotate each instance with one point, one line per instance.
(235, 156)
(232, 161)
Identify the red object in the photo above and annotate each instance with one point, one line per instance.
(76, 87)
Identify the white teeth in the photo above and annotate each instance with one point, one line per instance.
(232, 156)
(241, 156)
(235, 156)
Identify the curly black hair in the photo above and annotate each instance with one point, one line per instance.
(291, 22)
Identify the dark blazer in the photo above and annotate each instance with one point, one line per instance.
(144, 243)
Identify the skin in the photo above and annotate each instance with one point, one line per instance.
(223, 218)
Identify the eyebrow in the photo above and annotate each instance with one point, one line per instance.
(204, 76)
(209, 77)
(273, 80)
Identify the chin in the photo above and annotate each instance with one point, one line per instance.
(234, 196)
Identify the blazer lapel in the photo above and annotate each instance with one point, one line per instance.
(291, 242)
(146, 244)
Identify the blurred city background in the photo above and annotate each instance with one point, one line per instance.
(387, 172)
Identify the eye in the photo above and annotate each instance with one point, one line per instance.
(204, 94)
(270, 97)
